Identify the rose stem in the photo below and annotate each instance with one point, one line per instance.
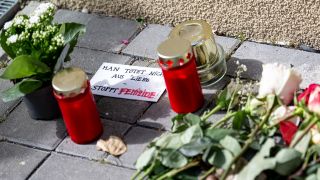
(246, 145)
(224, 119)
(304, 132)
(211, 170)
(176, 171)
(214, 110)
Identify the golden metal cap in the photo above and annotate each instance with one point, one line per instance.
(70, 82)
(199, 33)
(193, 30)
(174, 52)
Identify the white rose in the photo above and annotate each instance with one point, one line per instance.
(280, 80)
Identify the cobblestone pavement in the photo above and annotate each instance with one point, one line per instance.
(31, 149)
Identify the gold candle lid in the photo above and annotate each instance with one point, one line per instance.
(199, 33)
(174, 52)
(70, 82)
(194, 30)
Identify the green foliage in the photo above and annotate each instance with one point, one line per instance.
(24, 66)
(20, 89)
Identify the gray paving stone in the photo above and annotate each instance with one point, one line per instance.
(17, 161)
(309, 72)
(58, 167)
(20, 128)
(253, 55)
(159, 115)
(146, 43)
(29, 8)
(137, 140)
(124, 110)
(91, 60)
(107, 33)
(146, 63)
(63, 16)
(5, 107)
(227, 43)
(89, 150)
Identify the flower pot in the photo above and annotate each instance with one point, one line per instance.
(42, 105)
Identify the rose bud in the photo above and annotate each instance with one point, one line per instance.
(280, 80)
(314, 100)
(306, 93)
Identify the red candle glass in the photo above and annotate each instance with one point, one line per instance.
(78, 108)
(180, 74)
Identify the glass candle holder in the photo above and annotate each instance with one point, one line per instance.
(210, 58)
(78, 108)
(178, 66)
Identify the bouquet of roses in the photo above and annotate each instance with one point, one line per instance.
(35, 44)
(269, 134)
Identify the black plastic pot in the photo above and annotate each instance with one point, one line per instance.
(42, 105)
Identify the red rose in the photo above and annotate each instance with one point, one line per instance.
(311, 96)
(288, 129)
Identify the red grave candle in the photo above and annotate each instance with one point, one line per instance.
(78, 108)
(180, 74)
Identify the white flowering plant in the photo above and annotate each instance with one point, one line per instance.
(38, 47)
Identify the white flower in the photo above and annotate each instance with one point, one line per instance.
(18, 20)
(280, 80)
(13, 39)
(7, 25)
(34, 19)
(42, 8)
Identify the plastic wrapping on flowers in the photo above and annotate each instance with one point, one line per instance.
(270, 134)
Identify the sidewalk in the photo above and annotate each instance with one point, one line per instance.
(31, 149)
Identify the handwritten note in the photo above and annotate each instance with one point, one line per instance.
(129, 82)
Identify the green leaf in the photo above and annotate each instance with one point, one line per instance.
(238, 119)
(71, 30)
(220, 158)
(20, 89)
(287, 161)
(192, 133)
(24, 66)
(195, 147)
(172, 158)
(259, 162)
(217, 134)
(145, 158)
(5, 47)
(312, 177)
(169, 141)
(192, 119)
(303, 144)
(231, 144)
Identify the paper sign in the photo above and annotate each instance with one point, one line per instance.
(129, 82)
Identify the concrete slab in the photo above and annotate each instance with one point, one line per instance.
(107, 33)
(253, 55)
(58, 167)
(20, 128)
(29, 8)
(90, 60)
(137, 139)
(89, 150)
(64, 16)
(17, 161)
(146, 43)
(124, 110)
